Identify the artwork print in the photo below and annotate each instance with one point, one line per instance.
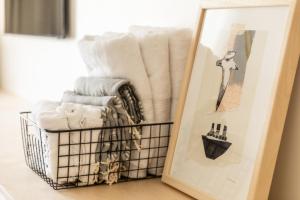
(220, 109)
(233, 69)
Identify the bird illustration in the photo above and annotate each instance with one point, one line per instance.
(227, 64)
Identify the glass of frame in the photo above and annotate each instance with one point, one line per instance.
(234, 100)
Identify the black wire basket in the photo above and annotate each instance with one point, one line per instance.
(85, 157)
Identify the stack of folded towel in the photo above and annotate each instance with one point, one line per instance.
(153, 59)
(106, 151)
(133, 78)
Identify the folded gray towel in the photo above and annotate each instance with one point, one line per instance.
(99, 87)
(72, 97)
(113, 153)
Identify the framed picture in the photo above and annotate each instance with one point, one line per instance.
(234, 100)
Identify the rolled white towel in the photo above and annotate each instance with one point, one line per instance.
(179, 41)
(155, 52)
(179, 45)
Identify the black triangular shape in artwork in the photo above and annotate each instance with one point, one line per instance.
(214, 148)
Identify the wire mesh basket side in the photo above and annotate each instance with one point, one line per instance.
(84, 157)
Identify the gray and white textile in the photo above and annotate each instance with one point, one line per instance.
(153, 60)
(99, 153)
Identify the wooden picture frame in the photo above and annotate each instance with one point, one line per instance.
(281, 83)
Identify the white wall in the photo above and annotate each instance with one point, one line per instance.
(1, 15)
(39, 67)
(1, 31)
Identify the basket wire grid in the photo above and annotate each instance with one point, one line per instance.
(155, 141)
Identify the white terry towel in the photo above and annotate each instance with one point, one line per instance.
(155, 52)
(53, 116)
(179, 41)
(117, 55)
(179, 44)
